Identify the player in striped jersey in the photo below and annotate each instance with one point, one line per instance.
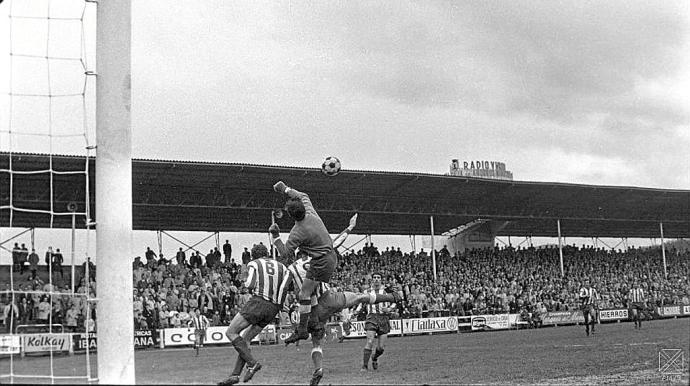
(377, 324)
(200, 323)
(637, 300)
(268, 280)
(588, 297)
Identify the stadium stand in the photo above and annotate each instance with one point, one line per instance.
(490, 281)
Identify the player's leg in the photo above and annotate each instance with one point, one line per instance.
(383, 328)
(239, 323)
(371, 336)
(316, 328)
(380, 348)
(317, 359)
(585, 313)
(593, 317)
(197, 340)
(305, 294)
(247, 335)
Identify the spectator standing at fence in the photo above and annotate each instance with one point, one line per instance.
(227, 251)
(33, 263)
(150, 256)
(181, 257)
(23, 258)
(43, 310)
(246, 256)
(11, 314)
(57, 263)
(71, 318)
(16, 252)
(588, 297)
(195, 260)
(48, 258)
(26, 310)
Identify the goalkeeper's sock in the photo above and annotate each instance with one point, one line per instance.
(367, 355)
(241, 347)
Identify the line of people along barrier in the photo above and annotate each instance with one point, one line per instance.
(70, 343)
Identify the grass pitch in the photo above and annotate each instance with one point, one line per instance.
(616, 353)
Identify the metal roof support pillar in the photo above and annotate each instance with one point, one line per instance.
(159, 236)
(560, 245)
(74, 226)
(433, 250)
(663, 249)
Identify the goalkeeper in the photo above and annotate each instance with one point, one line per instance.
(310, 235)
(327, 302)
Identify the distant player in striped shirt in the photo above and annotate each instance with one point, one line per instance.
(268, 280)
(377, 324)
(200, 323)
(588, 298)
(637, 300)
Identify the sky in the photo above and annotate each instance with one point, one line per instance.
(591, 92)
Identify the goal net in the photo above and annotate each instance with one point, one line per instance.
(49, 248)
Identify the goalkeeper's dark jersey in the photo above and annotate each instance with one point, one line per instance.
(309, 235)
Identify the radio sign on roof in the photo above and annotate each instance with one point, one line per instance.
(482, 169)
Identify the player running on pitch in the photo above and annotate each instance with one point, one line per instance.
(377, 324)
(588, 297)
(310, 235)
(200, 323)
(268, 280)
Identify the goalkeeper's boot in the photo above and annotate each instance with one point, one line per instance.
(230, 381)
(251, 371)
(297, 335)
(316, 377)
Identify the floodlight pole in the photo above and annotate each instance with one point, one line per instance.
(114, 193)
(663, 249)
(560, 246)
(433, 250)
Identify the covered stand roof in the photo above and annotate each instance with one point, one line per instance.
(201, 196)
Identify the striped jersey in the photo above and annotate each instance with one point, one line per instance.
(299, 269)
(588, 295)
(200, 322)
(378, 307)
(637, 295)
(268, 279)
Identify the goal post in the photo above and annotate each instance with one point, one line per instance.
(114, 193)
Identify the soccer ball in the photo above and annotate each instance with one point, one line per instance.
(330, 166)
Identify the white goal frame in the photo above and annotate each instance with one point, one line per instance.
(115, 320)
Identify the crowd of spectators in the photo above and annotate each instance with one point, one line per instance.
(495, 280)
